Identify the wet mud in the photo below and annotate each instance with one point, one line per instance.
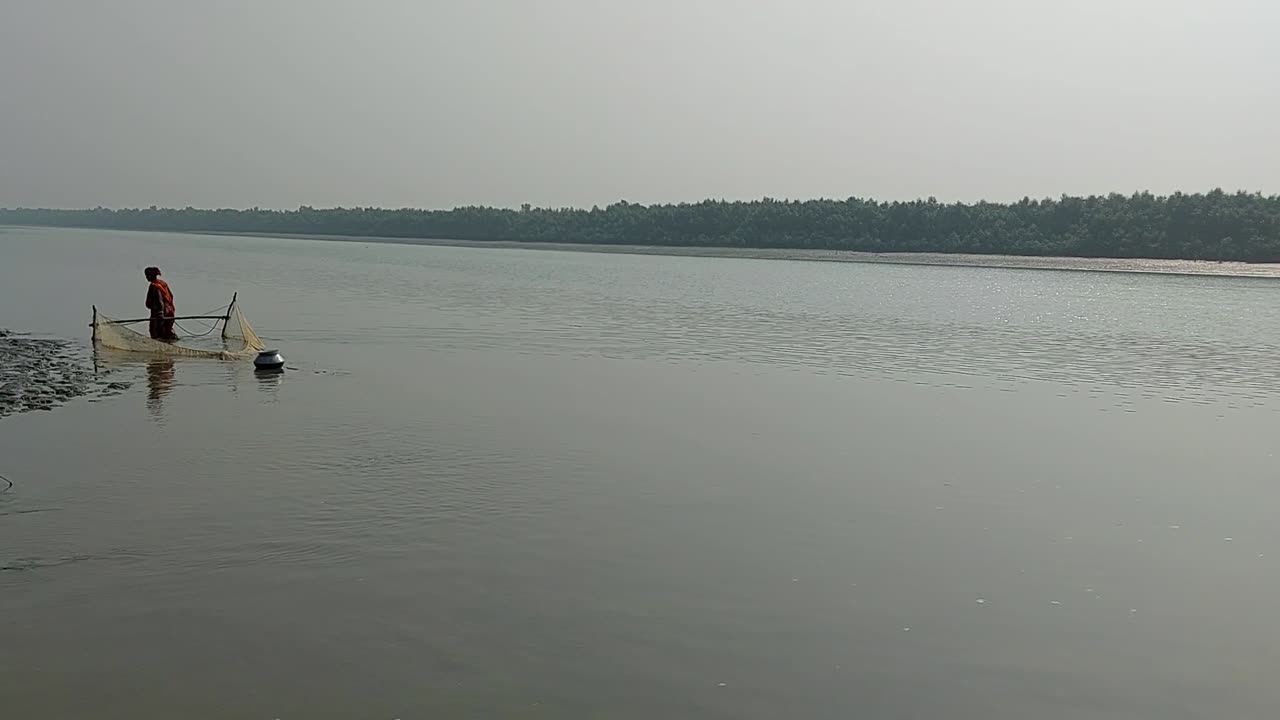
(45, 373)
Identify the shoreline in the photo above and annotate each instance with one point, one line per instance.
(1146, 266)
(45, 373)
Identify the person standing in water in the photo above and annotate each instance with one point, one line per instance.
(160, 303)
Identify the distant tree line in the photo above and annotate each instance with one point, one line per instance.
(1202, 226)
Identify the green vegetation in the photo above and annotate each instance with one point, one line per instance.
(1210, 226)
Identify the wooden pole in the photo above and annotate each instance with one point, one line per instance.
(224, 318)
(226, 321)
(178, 317)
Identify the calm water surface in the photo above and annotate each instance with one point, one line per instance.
(517, 483)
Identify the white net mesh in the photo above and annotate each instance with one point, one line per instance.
(238, 340)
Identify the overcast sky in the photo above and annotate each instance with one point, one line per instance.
(437, 103)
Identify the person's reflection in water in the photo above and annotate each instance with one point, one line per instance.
(160, 374)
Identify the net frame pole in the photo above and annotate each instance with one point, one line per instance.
(224, 318)
(226, 321)
(176, 317)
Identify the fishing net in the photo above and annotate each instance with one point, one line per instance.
(237, 340)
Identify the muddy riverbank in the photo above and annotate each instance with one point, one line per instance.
(45, 373)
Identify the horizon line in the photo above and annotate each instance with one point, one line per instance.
(626, 203)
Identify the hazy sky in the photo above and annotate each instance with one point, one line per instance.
(436, 103)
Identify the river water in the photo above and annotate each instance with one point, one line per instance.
(520, 483)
